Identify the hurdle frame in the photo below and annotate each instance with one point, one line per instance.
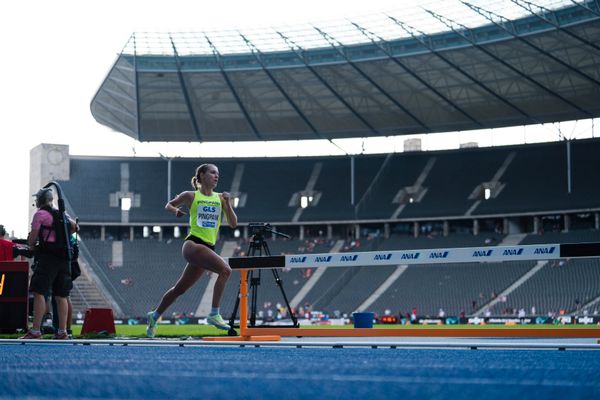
(511, 253)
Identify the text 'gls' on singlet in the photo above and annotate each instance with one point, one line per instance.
(205, 216)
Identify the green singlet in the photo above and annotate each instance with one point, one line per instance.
(205, 217)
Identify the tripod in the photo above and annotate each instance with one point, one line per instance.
(258, 246)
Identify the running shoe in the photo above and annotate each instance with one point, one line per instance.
(217, 321)
(61, 336)
(31, 335)
(151, 328)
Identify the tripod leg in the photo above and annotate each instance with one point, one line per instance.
(254, 283)
(287, 303)
(265, 248)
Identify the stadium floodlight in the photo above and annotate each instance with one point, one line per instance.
(304, 201)
(125, 203)
(487, 193)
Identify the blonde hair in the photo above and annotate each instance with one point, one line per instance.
(196, 178)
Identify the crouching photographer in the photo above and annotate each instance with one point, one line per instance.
(49, 237)
(11, 249)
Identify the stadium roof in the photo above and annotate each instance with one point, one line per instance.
(435, 68)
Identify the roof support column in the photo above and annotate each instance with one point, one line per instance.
(257, 55)
(489, 16)
(379, 40)
(333, 41)
(233, 91)
(408, 29)
(186, 95)
(294, 47)
(449, 23)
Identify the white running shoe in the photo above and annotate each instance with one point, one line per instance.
(152, 322)
(217, 321)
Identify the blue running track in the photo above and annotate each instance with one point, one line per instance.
(53, 371)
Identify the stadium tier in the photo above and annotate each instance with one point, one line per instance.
(523, 179)
(453, 287)
(428, 199)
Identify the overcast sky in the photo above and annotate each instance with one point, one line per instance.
(55, 55)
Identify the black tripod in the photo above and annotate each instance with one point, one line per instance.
(258, 247)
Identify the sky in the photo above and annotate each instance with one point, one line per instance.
(55, 55)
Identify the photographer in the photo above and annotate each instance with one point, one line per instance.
(52, 263)
(11, 249)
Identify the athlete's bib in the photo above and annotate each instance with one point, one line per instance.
(208, 216)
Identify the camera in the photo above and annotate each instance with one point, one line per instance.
(260, 228)
(22, 250)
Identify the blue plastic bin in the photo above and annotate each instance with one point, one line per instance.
(363, 319)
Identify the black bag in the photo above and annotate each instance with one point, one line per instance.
(75, 270)
(60, 247)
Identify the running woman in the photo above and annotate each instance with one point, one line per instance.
(206, 207)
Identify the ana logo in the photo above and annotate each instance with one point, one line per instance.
(438, 254)
(382, 256)
(322, 258)
(544, 250)
(209, 209)
(512, 252)
(482, 253)
(297, 259)
(349, 258)
(410, 256)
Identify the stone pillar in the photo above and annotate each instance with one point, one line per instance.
(47, 162)
(536, 224)
(446, 228)
(356, 231)
(386, 231)
(505, 226)
(597, 220)
(160, 234)
(245, 232)
(416, 229)
(329, 232)
(567, 222)
(102, 233)
(131, 234)
(301, 233)
(475, 227)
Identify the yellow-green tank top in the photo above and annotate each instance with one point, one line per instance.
(205, 217)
